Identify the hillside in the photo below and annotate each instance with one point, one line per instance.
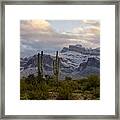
(73, 63)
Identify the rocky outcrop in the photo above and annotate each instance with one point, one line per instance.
(82, 50)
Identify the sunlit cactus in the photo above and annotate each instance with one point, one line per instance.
(40, 66)
(39, 74)
(56, 67)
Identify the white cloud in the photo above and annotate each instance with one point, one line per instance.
(90, 22)
(88, 32)
(39, 34)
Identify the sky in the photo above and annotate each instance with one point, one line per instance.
(53, 35)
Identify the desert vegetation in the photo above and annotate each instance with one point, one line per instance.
(68, 89)
(50, 87)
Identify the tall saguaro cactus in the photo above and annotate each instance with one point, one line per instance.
(39, 74)
(56, 66)
(40, 66)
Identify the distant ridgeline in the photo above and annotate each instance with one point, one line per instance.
(81, 49)
(75, 62)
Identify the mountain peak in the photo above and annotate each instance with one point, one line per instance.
(80, 49)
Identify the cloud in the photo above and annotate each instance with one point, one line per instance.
(35, 25)
(39, 35)
(90, 22)
(88, 32)
(34, 28)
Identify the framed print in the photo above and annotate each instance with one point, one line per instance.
(60, 60)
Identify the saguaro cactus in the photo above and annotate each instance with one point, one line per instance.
(39, 74)
(40, 66)
(56, 67)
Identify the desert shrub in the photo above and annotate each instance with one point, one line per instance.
(41, 92)
(38, 95)
(73, 84)
(30, 79)
(65, 92)
(68, 78)
(94, 81)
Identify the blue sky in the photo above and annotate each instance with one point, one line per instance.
(64, 25)
(52, 35)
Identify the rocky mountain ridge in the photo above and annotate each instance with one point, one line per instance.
(72, 63)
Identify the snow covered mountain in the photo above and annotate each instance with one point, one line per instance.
(73, 63)
(80, 49)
